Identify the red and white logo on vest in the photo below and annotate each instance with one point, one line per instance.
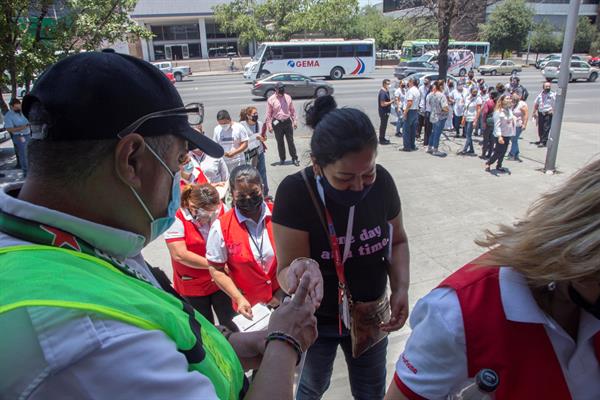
(62, 239)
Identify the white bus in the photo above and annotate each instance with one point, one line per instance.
(329, 58)
(416, 48)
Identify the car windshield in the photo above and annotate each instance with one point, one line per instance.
(497, 62)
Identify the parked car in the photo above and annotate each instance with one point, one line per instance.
(577, 70)
(555, 57)
(433, 76)
(501, 67)
(296, 85)
(178, 72)
(406, 68)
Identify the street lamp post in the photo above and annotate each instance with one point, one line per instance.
(563, 82)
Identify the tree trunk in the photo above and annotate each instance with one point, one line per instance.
(12, 71)
(445, 10)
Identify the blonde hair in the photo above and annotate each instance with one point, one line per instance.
(559, 238)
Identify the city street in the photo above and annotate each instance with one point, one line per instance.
(446, 202)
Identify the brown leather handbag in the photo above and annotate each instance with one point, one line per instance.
(366, 317)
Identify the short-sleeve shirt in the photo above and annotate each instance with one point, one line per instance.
(459, 99)
(231, 139)
(401, 95)
(505, 123)
(414, 95)
(366, 271)
(254, 131)
(545, 102)
(471, 107)
(13, 119)
(384, 96)
(437, 102)
(214, 169)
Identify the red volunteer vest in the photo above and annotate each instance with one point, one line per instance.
(521, 353)
(192, 281)
(249, 277)
(199, 179)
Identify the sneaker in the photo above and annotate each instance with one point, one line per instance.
(296, 163)
(405, 149)
(384, 141)
(398, 134)
(460, 153)
(487, 168)
(281, 162)
(541, 145)
(429, 150)
(517, 159)
(502, 170)
(439, 154)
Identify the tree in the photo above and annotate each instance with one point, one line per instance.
(35, 33)
(508, 26)
(586, 33)
(543, 38)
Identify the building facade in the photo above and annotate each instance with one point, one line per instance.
(184, 29)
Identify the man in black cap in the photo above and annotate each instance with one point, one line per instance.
(82, 314)
(281, 119)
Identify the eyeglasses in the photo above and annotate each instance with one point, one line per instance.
(193, 111)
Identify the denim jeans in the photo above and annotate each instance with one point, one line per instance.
(434, 139)
(399, 121)
(366, 373)
(410, 130)
(514, 149)
(456, 120)
(20, 144)
(261, 166)
(469, 134)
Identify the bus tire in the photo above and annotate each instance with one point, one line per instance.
(462, 72)
(336, 73)
(262, 73)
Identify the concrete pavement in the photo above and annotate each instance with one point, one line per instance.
(446, 202)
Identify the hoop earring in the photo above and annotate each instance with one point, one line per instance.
(551, 286)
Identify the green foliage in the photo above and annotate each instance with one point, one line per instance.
(508, 26)
(544, 39)
(586, 34)
(31, 39)
(279, 20)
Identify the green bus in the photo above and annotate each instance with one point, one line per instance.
(412, 49)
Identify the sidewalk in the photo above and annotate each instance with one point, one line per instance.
(8, 161)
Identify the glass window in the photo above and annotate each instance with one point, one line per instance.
(346, 50)
(291, 52)
(310, 51)
(364, 50)
(297, 78)
(328, 51)
(192, 31)
(179, 32)
(159, 52)
(157, 31)
(280, 78)
(168, 33)
(273, 53)
(195, 51)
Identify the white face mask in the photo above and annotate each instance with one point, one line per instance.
(225, 126)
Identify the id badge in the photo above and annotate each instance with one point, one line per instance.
(346, 311)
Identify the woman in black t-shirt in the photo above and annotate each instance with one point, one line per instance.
(344, 174)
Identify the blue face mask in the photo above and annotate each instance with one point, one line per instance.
(189, 167)
(346, 198)
(158, 226)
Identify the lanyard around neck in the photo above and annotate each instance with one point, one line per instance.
(335, 249)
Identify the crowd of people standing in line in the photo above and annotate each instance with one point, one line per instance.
(499, 114)
(528, 310)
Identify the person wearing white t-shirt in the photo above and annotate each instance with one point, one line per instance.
(232, 136)
(529, 309)
(505, 125)
(458, 98)
(471, 119)
(399, 103)
(411, 114)
(256, 142)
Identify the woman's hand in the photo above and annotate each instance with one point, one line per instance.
(296, 317)
(399, 308)
(501, 140)
(244, 307)
(299, 268)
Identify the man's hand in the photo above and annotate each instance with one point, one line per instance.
(227, 154)
(295, 125)
(501, 140)
(308, 267)
(244, 307)
(270, 129)
(399, 308)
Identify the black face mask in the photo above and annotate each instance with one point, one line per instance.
(578, 299)
(547, 90)
(254, 117)
(281, 91)
(249, 205)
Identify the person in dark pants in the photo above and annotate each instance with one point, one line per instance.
(281, 119)
(543, 109)
(488, 126)
(424, 111)
(505, 124)
(411, 114)
(384, 104)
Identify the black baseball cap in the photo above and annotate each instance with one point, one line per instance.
(279, 85)
(98, 95)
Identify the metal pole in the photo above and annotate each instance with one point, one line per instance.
(563, 81)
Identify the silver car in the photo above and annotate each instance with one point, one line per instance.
(296, 85)
(578, 70)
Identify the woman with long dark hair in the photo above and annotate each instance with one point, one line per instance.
(344, 213)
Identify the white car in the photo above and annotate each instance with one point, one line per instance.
(578, 70)
(178, 72)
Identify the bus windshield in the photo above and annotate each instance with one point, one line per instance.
(259, 53)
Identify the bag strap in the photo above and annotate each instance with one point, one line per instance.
(313, 198)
